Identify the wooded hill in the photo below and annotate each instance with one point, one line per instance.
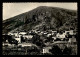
(43, 18)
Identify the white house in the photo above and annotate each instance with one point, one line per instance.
(28, 36)
(38, 31)
(46, 50)
(19, 36)
(70, 32)
(71, 40)
(7, 44)
(10, 33)
(24, 44)
(22, 33)
(48, 35)
(18, 39)
(60, 36)
(52, 33)
(45, 33)
(42, 32)
(29, 31)
(54, 38)
(16, 34)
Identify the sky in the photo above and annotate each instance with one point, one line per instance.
(13, 9)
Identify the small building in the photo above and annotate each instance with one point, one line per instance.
(60, 36)
(46, 50)
(29, 31)
(25, 44)
(19, 36)
(6, 41)
(10, 33)
(22, 33)
(48, 35)
(54, 31)
(16, 34)
(45, 33)
(54, 38)
(38, 31)
(72, 40)
(33, 30)
(42, 32)
(6, 44)
(70, 32)
(18, 39)
(28, 36)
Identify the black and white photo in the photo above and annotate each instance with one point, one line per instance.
(40, 28)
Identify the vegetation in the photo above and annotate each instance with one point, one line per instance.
(50, 17)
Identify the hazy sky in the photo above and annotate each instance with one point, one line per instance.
(13, 9)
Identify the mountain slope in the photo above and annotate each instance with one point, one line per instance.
(42, 18)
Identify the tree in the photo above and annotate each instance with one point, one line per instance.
(34, 17)
(22, 39)
(50, 39)
(13, 41)
(56, 50)
(67, 51)
(35, 38)
(33, 51)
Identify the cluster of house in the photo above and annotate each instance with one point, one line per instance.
(27, 35)
(17, 35)
(54, 34)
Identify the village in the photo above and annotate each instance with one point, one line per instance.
(43, 40)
